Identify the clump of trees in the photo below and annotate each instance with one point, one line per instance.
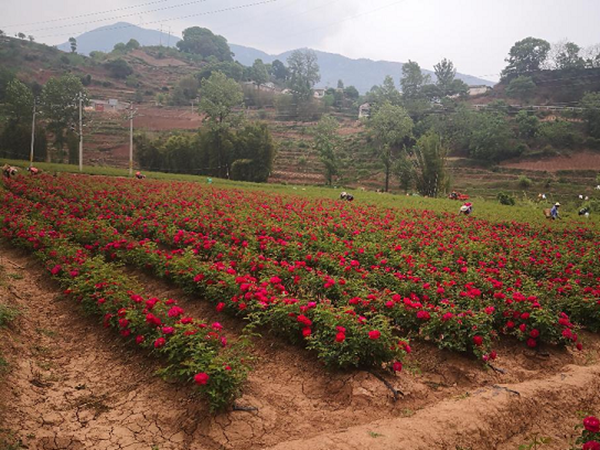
(225, 146)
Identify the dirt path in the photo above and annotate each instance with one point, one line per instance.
(74, 385)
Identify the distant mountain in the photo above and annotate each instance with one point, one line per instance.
(104, 38)
(361, 73)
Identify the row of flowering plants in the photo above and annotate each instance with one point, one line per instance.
(194, 351)
(328, 273)
(590, 434)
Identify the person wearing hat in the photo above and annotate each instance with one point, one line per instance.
(139, 175)
(554, 211)
(466, 209)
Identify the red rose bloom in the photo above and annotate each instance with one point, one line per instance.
(201, 378)
(374, 335)
(592, 424)
(160, 342)
(478, 341)
(591, 445)
(340, 337)
(397, 366)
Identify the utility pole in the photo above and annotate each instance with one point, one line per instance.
(132, 114)
(81, 132)
(32, 136)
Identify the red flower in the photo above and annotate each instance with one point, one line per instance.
(340, 337)
(374, 335)
(478, 341)
(175, 311)
(220, 306)
(139, 339)
(531, 343)
(592, 424)
(591, 445)
(201, 378)
(306, 332)
(57, 268)
(160, 342)
(397, 366)
(534, 333)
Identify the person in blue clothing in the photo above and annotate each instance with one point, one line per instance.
(554, 211)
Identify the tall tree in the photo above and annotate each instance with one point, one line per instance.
(567, 56)
(521, 87)
(218, 96)
(445, 73)
(280, 72)
(429, 159)
(527, 55)
(413, 80)
(60, 105)
(19, 99)
(390, 128)
(304, 73)
(73, 44)
(259, 73)
(591, 113)
(327, 143)
(202, 41)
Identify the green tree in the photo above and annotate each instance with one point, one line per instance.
(304, 73)
(6, 76)
(591, 113)
(413, 80)
(253, 154)
(202, 41)
(19, 99)
(521, 87)
(259, 72)
(21, 35)
(491, 138)
(119, 48)
(525, 56)
(118, 68)
(185, 91)
(218, 96)
(528, 124)
(445, 73)
(567, 56)
(327, 143)
(280, 72)
(351, 93)
(429, 157)
(73, 44)
(60, 106)
(390, 127)
(232, 69)
(132, 44)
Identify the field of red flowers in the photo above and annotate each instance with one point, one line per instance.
(359, 286)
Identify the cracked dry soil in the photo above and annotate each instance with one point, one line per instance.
(71, 384)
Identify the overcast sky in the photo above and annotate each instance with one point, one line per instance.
(475, 34)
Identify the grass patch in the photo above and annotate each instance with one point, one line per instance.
(7, 314)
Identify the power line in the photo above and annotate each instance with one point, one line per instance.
(85, 15)
(206, 13)
(123, 16)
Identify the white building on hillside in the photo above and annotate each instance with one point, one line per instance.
(478, 90)
(364, 110)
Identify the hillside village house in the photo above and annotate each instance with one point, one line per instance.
(364, 110)
(478, 90)
(112, 104)
(266, 87)
(319, 93)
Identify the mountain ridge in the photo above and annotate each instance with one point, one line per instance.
(363, 73)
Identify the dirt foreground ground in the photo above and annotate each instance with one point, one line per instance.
(71, 384)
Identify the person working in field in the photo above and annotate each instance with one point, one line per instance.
(585, 212)
(466, 209)
(139, 175)
(33, 170)
(345, 196)
(554, 211)
(9, 171)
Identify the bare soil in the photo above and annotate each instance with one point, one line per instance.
(578, 161)
(72, 384)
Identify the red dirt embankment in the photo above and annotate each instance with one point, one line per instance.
(578, 161)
